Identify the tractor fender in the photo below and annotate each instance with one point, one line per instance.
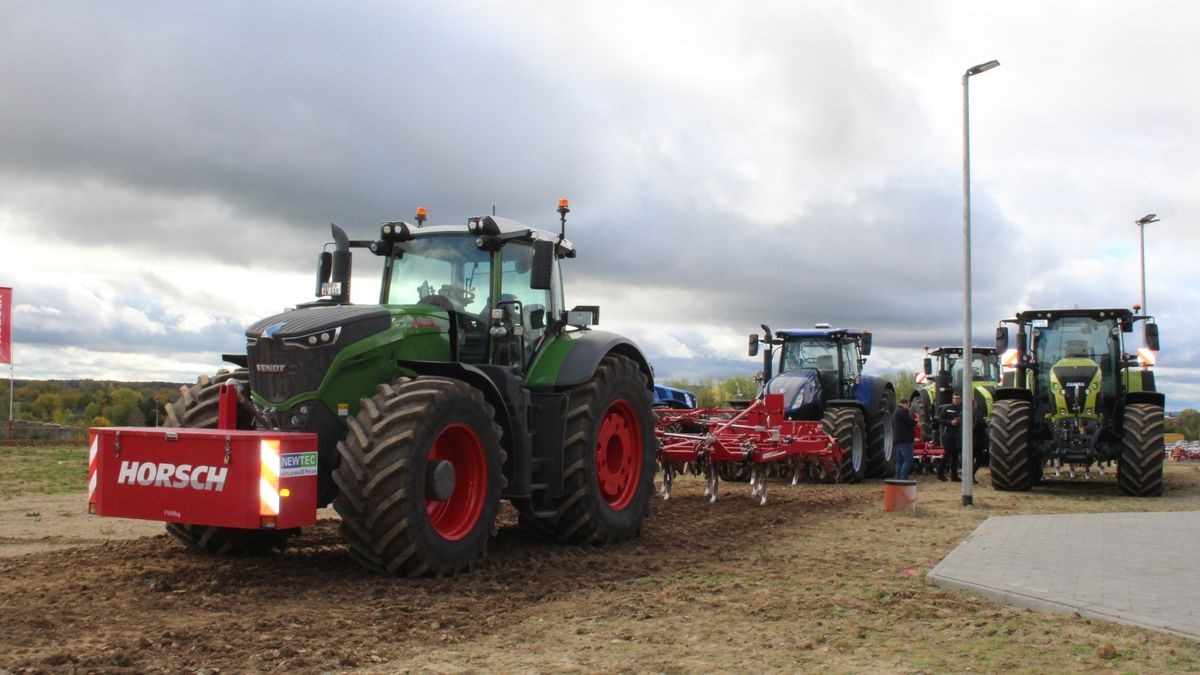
(472, 376)
(847, 403)
(572, 358)
(869, 391)
(1152, 397)
(1011, 394)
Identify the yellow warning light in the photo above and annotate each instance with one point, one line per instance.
(1146, 357)
(564, 203)
(421, 211)
(1009, 359)
(284, 492)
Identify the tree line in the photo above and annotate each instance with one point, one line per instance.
(88, 403)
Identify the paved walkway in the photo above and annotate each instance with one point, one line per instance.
(1134, 568)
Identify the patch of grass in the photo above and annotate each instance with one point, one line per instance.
(42, 469)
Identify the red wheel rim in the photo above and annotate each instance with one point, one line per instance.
(619, 455)
(455, 517)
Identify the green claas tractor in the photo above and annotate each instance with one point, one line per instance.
(943, 369)
(467, 384)
(1077, 398)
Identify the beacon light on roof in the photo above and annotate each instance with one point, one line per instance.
(421, 216)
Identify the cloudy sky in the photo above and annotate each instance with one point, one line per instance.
(168, 171)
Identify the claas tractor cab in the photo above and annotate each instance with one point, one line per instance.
(943, 376)
(1078, 398)
(820, 374)
(470, 382)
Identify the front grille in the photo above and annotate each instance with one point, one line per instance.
(283, 363)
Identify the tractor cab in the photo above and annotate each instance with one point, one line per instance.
(945, 365)
(815, 366)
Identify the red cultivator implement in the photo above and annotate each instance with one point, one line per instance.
(745, 445)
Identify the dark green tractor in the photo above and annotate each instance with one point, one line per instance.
(469, 383)
(1075, 399)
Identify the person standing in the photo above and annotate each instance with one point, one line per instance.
(903, 435)
(949, 419)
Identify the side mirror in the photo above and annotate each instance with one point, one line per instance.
(928, 366)
(1152, 336)
(543, 265)
(864, 344)
(324, 267)
(1001, 339)
(754, 344)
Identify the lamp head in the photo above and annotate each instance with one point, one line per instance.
(1147, 219)
(982, 68)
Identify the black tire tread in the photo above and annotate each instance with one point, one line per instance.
(1013, 468)
(576, 519)
(1140, 466)
(880, 459)
(839, 424)
(377, 457)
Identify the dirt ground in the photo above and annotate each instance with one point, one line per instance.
(820, 579)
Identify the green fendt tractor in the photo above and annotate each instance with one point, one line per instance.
(946, 379)
(1077, 398)
(469, 383)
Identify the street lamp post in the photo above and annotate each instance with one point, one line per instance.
(1142, 223)
(968, 398)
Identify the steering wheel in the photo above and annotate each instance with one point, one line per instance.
(437, 301)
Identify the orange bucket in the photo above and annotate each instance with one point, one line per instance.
(900, 495)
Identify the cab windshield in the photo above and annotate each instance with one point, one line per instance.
(984, 367)
(447, 271)
(819, 354)
(1077, 337)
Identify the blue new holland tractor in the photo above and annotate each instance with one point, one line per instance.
(820, 376)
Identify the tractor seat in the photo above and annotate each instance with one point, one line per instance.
(1078, 349)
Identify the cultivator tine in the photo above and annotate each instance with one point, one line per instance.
(758, 483)
(710, 483)
(668, 479)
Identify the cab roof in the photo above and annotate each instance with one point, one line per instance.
(826, 333)
(506, 225)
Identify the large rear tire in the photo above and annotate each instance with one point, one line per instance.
(608, 459)
(846, 426)
(1013, 468)
(197, 408)
(1140, 467)
(420, 478)
(881, 460)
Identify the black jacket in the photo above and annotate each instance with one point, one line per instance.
(903, 427)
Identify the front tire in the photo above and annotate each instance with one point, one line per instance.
(845, 425)
(1012, 466)
(1140, 467)
(197, 408)
(881, 459)
(420, 478)
(608, 459)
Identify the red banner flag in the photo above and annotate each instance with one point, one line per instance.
(6, 325)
